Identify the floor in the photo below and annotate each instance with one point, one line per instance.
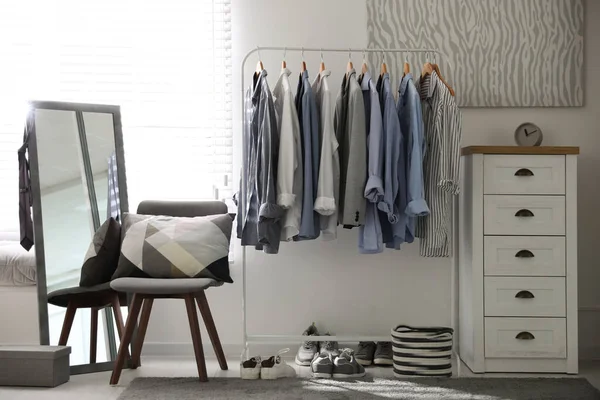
(96, 387)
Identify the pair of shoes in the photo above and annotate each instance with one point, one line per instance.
(379, 354)
(273, 367)
(309, 349)
(341, 364)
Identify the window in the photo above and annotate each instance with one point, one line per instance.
(166, 63)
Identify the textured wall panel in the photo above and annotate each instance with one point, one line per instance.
(503, 53)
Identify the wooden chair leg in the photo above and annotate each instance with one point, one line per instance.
(136, 304)
(212, 329)
(196, 338)
(116, 307)
(93, 335)
(67, 324)
(138, 343)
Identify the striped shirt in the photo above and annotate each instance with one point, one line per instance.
(443, 130)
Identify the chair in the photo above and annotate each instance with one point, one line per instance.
(191, 290)
(94, 297)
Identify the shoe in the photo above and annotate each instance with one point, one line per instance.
(365, 352)
(383, 354)
(250, 369)
(322, 365)
(345, 366)
(275, 367)
(308, 349)
(329, 346)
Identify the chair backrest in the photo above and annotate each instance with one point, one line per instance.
(182, 208)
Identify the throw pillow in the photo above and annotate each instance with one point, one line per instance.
(175, 247)
(102, 257)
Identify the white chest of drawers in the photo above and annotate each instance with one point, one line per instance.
(517, 259)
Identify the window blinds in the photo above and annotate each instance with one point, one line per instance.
(166, 63)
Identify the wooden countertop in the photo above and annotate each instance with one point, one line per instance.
(520, 150)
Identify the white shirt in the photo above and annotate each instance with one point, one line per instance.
(289, 168)
(329, 167)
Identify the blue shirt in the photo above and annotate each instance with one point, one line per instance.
(411, 125)
(370, 237)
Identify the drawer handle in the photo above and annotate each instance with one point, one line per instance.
(525, 336)
(524, 294)
(524, 172)
(524, 213)
(524, 254)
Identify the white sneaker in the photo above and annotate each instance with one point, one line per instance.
(250, 369)
(275, 367)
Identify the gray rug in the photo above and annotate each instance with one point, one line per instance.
(367, 388)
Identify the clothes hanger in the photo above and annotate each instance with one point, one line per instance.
(350, 65)
(436, 68)
(283, 63)
(365, 68)
(427, 67)
(259, 64)
(322, 66)
(406, 67)
(383, 65)
(303, 68)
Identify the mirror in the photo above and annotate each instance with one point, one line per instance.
(78, 182)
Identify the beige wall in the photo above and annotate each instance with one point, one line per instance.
(330, 283)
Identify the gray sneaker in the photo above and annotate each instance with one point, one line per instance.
(329, 346)
(365, 352)
(322, 366)
(384, 354)
(308, 349)
(345, 366)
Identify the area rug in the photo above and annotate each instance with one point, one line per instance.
(366, 388)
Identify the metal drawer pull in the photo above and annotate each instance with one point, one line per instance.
(524, 294)
(524, 254)
(525, 336)
(524, 213)
(524, 172)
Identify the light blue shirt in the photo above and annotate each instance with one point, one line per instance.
(370, 239)
(411, 124)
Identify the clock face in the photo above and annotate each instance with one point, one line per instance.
(528, 134)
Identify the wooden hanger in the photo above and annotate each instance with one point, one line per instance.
(364, 68)
(436, 68)
(406, 67)
(259, 64)
(350, 66)
(303, 67)
(383, 66)
(283, 63)
(322, 66)
(427, 68)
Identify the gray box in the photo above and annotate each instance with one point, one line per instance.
(46, 366)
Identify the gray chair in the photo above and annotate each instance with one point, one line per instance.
(145, 290)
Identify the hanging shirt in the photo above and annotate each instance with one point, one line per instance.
(309, 130)
(329, 166)
(351, 134)
(25, 197)
(443, 129)
(258, 212)
(411, 126)
(289, 169)
(394, 199)
(370, 238)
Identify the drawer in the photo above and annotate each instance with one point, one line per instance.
(525, 338)
(524, 215)
(524, 255)
(524, 297)
(523, 174)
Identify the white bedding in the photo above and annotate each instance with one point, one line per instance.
(17, 265)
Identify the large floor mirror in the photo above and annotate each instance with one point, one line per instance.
(77, 182)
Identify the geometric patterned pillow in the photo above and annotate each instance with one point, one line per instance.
(100, 261)
(175, 247)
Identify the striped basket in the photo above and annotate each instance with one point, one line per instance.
(422, 351)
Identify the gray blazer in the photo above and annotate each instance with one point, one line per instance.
(351, 133)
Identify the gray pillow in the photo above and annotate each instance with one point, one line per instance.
(102, 257)
(175, 247)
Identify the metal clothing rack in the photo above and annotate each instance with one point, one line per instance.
(285, 339)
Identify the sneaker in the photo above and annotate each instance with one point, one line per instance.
(383, 354)
(275, 367)
(329, 346)
(250, 369)
(308, 349)
(365, 352)
(345, 366)
(322, 365)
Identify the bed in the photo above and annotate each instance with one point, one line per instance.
(18, 292)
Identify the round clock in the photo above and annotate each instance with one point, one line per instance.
(528, 134)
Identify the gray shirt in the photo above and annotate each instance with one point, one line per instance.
(258, 212)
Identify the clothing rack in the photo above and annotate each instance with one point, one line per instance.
(285, 339)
